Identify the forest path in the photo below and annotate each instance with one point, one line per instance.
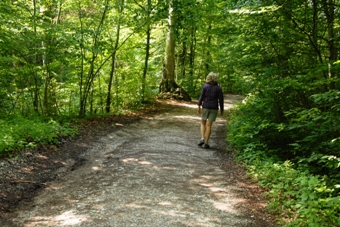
(151, 173)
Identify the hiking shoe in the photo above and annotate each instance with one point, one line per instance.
(201, 143)
(206, 146)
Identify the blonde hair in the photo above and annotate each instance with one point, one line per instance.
(212, 78)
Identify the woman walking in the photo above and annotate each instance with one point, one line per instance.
(211, 97)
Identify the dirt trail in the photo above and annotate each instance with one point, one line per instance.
(150, 173)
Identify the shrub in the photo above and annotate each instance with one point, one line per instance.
(19, 132)
(295, 155)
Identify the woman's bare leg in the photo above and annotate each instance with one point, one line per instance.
(203, 129)
(208, 131)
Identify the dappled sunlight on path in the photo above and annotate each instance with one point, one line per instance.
(149, 173)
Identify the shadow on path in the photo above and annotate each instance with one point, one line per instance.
(151, 173)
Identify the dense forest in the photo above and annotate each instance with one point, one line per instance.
(62, 60)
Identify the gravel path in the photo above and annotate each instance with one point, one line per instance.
(150, 173)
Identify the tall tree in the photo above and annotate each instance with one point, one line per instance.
(147, 47)
(168, 83)
(120, 8)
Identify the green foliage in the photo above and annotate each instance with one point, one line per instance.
(56, 59)
(19, 132)
(288, 128)
(296, 156)
(301, 199)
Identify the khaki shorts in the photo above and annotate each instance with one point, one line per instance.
(209, 114)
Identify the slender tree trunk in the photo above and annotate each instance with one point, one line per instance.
(86, 83)
(192, 52)
(147, 51)
(183, 58)
(112, 73)
(208, 57)
(50, 105)
(35, 75)
(329, 10)
(113, 61)
(81, 73)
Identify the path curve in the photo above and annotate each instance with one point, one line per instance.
(150, 173)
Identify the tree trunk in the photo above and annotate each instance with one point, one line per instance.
(147, 52)
(168, 87)
(113, 62)
(329, 10)
(35, 75)
(208, 56)
(86, 82)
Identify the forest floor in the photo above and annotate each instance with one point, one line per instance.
(144, 169)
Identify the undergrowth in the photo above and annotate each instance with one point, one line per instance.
(297, 197)
(294, 156)
(18, 132)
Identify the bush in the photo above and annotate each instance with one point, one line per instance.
(299, 198)
(295, 155)
(18, 132)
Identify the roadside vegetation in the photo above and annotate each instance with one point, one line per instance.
(296, 160)
(18, 133)
(286, 132)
